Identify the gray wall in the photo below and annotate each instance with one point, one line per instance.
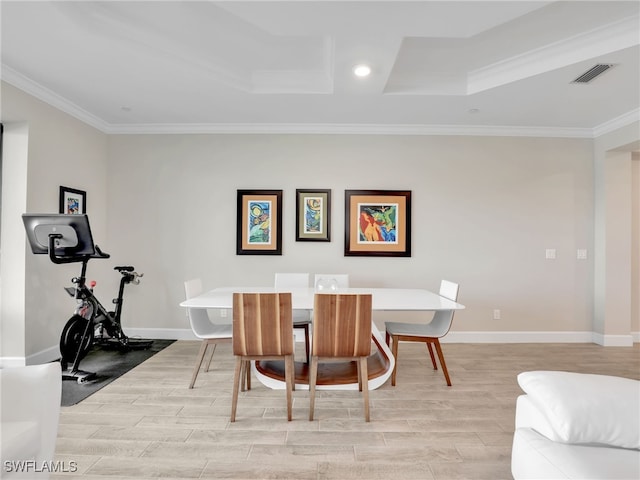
(484, 212)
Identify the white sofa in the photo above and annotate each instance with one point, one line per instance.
(29, 415)
(576, 426)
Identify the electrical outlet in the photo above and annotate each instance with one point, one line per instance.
(581, 254)
(496, 314)
(223, 312)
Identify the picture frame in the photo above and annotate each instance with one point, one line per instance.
(72, 201)
(259, 223)
(378, 223)
(313, 215)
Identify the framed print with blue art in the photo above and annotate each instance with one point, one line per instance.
(313, 215)
(259, 224)
(378, 223)
(72, 201)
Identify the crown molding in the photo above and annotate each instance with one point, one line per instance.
(616, 123)
(349, 129)
(27, 85)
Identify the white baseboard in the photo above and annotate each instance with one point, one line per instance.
(9, 362)
(518, 337)
(613, 340)
(53, 353)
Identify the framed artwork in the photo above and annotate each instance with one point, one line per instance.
(72, 201)
(313, 215)
(259, 229)
(378, 223)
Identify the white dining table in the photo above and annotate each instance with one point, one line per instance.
(382, 361)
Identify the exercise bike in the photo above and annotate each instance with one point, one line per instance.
(68, 239)
(92, 324)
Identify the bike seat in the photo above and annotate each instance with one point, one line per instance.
(124, 269)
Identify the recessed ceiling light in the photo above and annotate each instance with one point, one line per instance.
(473, 110)
(362, 70)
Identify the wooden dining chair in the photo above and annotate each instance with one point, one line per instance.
(262, 330)
(429, 333)
(210, 333)
(341, 331)
(301, 318)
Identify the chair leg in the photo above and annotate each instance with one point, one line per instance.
(236, 386)
(245, 375)
(288, 378)
(203, 350)
(441, 357)
(313, 374)
(394, 352)
(363, 374)
(307, 348)
(213, 350)
(433, 358)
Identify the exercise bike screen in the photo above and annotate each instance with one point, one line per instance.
(76, 238)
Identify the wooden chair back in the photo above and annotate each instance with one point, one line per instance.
(262, 324)
(341, 325)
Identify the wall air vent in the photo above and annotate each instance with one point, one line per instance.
(593, 72)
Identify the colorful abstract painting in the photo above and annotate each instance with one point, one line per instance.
(313, 215)
(259, 222)
(259, 225)
(377, 223)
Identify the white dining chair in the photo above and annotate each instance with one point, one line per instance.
(203, 328)
(429, 333)
(330, 281)
(301, 318)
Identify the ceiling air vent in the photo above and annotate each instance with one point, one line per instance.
(593, 72)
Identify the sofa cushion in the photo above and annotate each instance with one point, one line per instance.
(586, 408)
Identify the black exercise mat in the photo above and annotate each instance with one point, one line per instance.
(108, 364)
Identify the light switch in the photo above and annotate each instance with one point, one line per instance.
(582, 254)
(550, 254)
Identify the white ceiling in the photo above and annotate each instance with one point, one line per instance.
(501, 67)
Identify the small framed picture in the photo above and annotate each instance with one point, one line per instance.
(313, 215)
(72, 201)
(259, 224)
(378, 223)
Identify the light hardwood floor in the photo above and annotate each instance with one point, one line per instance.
(148, 425)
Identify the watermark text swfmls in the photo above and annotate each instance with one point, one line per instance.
(32, 466)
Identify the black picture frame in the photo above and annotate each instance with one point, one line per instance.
(259, 222)
(378, 223)
(72, 201)
(313, 215)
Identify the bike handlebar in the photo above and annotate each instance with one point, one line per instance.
(100, 253)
